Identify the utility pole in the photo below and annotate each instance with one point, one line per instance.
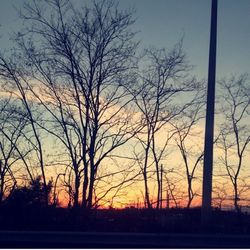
(209, 129)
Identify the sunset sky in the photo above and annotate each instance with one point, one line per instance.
(162, 23)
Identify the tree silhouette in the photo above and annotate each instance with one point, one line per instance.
(163, 81)
(31, 195)
(234, 131)
(188, 141)
(15, 81)
(78, 66)
(12, 126)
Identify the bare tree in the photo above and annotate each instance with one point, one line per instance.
(172, 191)
(78, 65)
(164, 78)
(220, 195)
(114, 186)
(234, 131)
(11, 129)
(14, 77)
(189, 141)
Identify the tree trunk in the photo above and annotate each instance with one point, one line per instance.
(91, 188)
(190, 196)
(76, 193)
(236, 198)
(85, 187)
(1, 188)
(147, 200)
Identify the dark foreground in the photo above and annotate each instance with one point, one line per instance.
(34, 227)
(43, 239)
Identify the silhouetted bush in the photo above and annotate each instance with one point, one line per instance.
(32, 195)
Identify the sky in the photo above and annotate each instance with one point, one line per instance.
(162, 23)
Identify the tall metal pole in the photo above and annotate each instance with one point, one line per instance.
(209, 129)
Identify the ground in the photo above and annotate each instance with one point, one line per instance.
(130, 220)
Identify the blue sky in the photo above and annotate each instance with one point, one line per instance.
(161, 23)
